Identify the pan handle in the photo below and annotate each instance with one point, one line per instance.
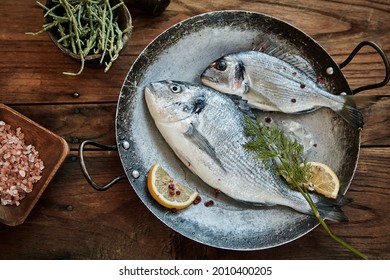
(384, 58)
(84, 168)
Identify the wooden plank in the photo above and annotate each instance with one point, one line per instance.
(377, 122)
(25, 59)
(75, 122)
(73, 221)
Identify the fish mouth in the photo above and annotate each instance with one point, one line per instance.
(149, 89)
(208, 79)
(150, 94)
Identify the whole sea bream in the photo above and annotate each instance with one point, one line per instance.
(205, 129)
(271, 80)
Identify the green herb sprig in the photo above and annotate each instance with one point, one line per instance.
(86, 27)
(271, 143)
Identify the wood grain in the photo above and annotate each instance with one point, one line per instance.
(114, 224)
(73, 221)
(75, 122)
(24, 76)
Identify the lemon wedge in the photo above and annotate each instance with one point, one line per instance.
(166, 191)
(323, 180)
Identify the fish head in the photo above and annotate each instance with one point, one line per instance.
(172, 101)
(226, 75)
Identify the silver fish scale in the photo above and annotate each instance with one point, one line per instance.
(209, 142)
(244, 178)
(285, 86)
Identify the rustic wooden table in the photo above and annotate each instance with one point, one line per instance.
(73, 221)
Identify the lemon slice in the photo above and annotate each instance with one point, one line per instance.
(323, 180)
(166, 191)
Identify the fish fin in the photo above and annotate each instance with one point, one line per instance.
(352, 115)
(259, 101)
(331, 209)
(199, 140)
(255, 204)
(301, 64)
(268, 46)
(242, 105)
(352, 105)
(281, 52)
(306, 111)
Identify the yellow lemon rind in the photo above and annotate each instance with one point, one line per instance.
(334, 179)
(171, 204)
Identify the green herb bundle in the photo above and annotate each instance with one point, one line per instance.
(86, 27)
(270, 143)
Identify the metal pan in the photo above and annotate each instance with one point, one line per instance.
(181, 53)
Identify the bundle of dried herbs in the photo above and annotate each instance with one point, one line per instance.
(86, 27)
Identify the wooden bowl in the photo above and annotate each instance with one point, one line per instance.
(52, 150)
(124, 21)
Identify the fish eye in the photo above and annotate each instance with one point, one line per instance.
(175, 88)
(220, 65)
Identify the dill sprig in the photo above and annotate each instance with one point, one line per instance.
(86, 27)
(271, 143)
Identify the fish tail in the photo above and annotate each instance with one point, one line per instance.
(351, 110)
(352, 115)
(331, 209)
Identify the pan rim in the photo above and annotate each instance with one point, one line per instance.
(123, 93)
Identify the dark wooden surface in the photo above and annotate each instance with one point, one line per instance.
(73, 221)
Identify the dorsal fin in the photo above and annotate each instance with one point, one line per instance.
(281, 52)
(301, 64)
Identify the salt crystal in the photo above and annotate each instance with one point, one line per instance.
(22, 173)
(17, 161)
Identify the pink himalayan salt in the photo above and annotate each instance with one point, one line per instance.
(20, 165)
